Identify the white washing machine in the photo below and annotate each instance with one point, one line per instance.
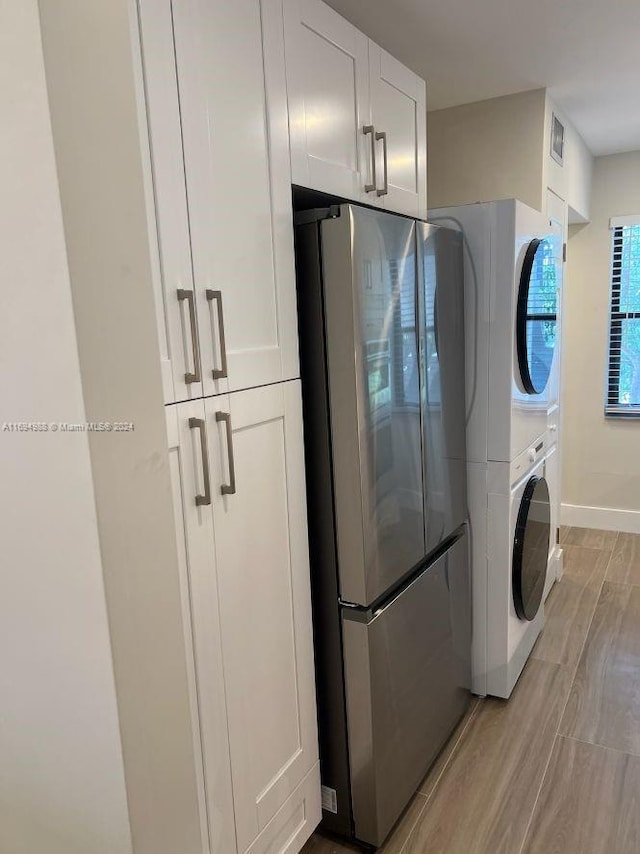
(518, 533)
(511, 527)
(511, 271)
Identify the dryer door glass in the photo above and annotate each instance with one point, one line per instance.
(537, 315)
(531, 548)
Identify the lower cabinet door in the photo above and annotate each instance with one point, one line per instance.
(259, 512)
(294, 822)
(191, 483)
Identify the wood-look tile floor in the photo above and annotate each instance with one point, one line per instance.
(556, 769)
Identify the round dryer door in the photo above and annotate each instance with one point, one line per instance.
(531, 548)
(537, 315)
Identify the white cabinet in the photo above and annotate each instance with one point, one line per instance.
(263, 581)
(239, 493)
(217, 115)
(191, 476)
(357, 117)
(167, 205)
(329, 104)
(557, 212)
(398, 105)
(216, 110)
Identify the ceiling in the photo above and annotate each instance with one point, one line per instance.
(586, 52)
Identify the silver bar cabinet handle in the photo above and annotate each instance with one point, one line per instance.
(383, 137)
(228, 488)
(195, 343)
(219, 373)
(199, 424)
(369, 129)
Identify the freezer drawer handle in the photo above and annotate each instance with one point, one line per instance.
(198, 423)
(369, 129)
(383, 137)
(228, 488)
(195, 344)
(219, 373)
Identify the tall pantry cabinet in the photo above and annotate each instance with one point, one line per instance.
(171, 135)
(217, 117)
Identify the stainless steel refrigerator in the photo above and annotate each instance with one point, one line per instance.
(381, 325)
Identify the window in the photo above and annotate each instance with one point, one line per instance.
(623, 389)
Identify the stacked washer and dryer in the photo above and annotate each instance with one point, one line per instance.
(512, 275)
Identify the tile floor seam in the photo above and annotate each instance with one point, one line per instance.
(600, 746)
(455, 747)
(566, 701)
(415, 823)
(628, 583)
(564, 543)
(427, 798)
(588, 548)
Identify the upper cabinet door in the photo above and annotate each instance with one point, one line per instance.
(328, 86)
(259, 510)
(398, 98)
(175, 296)
(232, 95)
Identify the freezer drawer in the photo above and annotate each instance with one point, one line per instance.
(407, 676)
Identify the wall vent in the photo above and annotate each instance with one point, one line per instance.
(557, 140)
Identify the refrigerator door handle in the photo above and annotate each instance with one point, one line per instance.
(219, 373)
(370, 130)
(383, 136)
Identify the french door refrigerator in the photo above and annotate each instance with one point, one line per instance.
(381, 326)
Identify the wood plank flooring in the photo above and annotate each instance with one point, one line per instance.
(625, 561)
(570, 605)
(557, 767)
(604, 703)
(588, 803)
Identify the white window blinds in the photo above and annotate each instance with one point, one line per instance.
(623, 388)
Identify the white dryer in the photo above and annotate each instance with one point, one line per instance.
(511, 274)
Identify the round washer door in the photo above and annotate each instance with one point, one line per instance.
(536, 315)
(531, 548)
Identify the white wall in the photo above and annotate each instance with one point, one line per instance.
(487, 150)
(573, 180)
(499, 149)
(601, 466)
(62, 788)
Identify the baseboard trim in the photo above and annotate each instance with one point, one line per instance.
(604, 518)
